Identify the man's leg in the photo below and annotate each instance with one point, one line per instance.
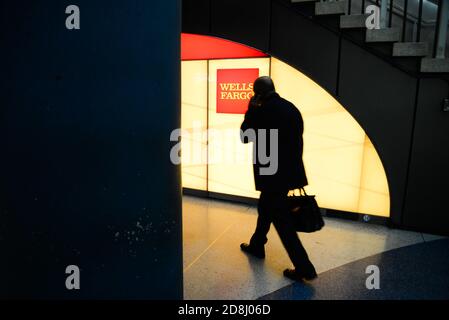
(283, 222)
(259, 238)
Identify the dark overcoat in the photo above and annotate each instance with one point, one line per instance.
(277, 113)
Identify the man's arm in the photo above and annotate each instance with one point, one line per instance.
(249, 123)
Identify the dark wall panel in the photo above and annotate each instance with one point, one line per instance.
(427, 202)
(381, 98)
(85, 173)
(196, 16)
(305, 45)
(242, 21)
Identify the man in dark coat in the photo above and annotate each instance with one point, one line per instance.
(268, 111)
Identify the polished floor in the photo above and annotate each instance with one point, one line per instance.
(215, 268)
(415, 272)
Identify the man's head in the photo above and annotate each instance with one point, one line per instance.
(263, 86)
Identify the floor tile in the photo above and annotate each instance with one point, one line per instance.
(215, 267)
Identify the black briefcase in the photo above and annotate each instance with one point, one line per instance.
(306, 213)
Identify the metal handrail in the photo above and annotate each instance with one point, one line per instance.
(404, 20)
(439, 44)
(418, 31)
(390, 16)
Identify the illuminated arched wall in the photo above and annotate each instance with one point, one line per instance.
(344, 171)
(343, 168)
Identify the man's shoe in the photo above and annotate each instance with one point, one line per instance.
(257, 252)
(299, 276)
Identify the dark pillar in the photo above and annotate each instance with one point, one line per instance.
(85, 172)
(426, 203)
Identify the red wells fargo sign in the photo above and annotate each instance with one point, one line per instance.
(234, 89)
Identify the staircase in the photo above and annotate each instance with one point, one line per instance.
(393, 32)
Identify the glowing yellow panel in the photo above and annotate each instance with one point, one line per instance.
(374, 195)
(194, 121)
(235, 174)
(343, 168)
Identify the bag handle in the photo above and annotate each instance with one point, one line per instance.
(301, 192)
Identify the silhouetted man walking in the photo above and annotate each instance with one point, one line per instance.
(267, 110)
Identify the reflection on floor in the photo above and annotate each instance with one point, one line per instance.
(215, 268)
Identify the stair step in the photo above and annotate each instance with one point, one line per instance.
(410, 49)
(353, 21)
(299, 1)
(434, 65)
(327, 8)
(383, 35)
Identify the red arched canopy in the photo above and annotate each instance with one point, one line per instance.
(198, 47)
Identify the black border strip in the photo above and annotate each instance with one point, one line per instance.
(410, 153)
(337, 85)
(331, 213)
